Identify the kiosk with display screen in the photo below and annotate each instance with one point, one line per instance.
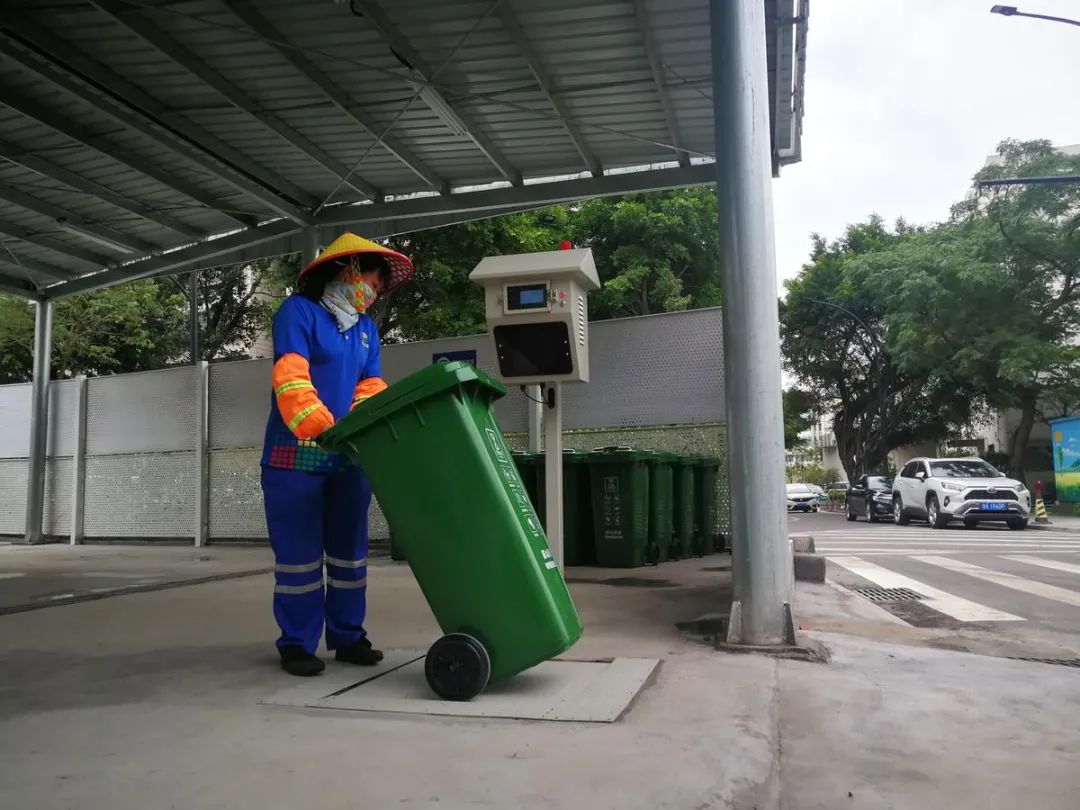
(538, 318)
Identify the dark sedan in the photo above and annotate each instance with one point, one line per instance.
(870, 497)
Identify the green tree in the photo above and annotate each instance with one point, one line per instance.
(992, 298)
(798, 416)
(132, 327)
(846, 362)
(655, 252)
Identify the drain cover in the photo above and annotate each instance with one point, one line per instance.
(1061, 662)
(888, 594)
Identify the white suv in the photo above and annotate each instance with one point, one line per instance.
(940, 490)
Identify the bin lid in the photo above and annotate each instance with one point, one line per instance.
(426, 383)
(617, 454)
(572, 456)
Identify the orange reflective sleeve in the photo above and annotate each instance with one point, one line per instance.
(297, 400)
(366, 389)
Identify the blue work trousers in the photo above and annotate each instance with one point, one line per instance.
(315, 520)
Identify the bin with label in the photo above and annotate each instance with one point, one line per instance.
(447, 483)
(661, 501)
(620, 498)
(684, 513)
(579, 547)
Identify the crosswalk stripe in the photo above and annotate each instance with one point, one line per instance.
(1056, 565)
(962, 609)
(1007, 580)
(985, 544)
(882, 550)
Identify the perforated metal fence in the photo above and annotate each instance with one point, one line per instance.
(657, 382)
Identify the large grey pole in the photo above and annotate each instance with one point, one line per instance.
(761, 555)
(39, 421)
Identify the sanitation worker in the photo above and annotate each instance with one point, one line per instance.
(326, 363)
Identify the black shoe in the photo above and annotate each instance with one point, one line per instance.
(298, 661)
(360, 653)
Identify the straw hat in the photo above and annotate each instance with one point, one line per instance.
(336, 256)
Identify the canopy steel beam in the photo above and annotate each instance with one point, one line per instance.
(25, 263)
(80, 134)
(246, 11)
(20, 289)
(535, 194)
(71, 220)
(133, 20)
(174, 260)
(43, 167)
(64, 65)
(75, 252)
(423, 74)
(389, 218)
(657, 68)
(547, 87)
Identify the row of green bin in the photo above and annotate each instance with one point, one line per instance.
(625, 507)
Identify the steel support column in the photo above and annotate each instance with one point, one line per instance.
(761, 555)
(39, 422)
(310, 241)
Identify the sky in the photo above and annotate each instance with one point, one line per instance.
(905, 99)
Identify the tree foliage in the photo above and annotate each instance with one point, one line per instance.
(655, 252)
(798, 416)
(980, 311)
(834, 341)
(992, 298)
(133, 327)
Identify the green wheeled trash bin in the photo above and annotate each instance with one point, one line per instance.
(620, 498)
(397, 549)
(661, 503)
(446, 482)
(579, 543)
(685, 515)
(709, 537)
(579, 547)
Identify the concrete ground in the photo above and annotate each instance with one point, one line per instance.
(151, 700)
(33, 577)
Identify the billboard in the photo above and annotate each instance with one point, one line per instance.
(1066, 435)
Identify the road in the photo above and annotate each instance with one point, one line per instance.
(988, 577)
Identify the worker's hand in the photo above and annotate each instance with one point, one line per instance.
(315, 424)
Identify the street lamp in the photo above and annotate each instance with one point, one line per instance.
(1013, 11)
(880, 363)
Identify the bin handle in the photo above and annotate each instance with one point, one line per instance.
(613, 448)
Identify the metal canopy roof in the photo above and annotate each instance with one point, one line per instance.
(144, 137)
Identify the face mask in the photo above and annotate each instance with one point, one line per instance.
(350, 284)
(347, 297)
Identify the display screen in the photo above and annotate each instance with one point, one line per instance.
(533, 349)
(526, 296)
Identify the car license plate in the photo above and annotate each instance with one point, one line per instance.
(994, 507)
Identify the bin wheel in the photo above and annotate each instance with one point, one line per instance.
(457, 667)
(652, 554)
